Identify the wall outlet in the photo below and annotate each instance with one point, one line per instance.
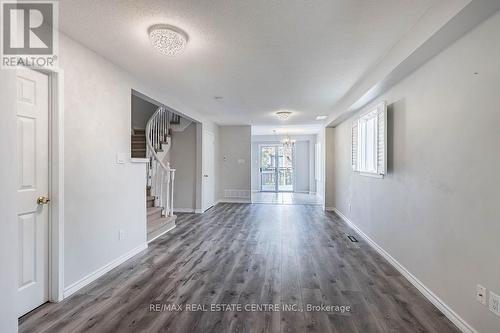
(494, 303)
(121, 234)
(481, 294)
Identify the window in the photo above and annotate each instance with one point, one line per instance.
(368, 148)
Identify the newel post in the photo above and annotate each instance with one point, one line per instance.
(172, 177)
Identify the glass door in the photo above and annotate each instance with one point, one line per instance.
(268, 168)
(276, 169)
(285, 169)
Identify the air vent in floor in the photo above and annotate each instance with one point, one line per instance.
(352, 239)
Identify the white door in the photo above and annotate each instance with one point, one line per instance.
(33, 182)
(208, 169)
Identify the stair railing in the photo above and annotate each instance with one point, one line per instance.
(160, 177)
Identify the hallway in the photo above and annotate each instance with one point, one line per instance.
(241, 254)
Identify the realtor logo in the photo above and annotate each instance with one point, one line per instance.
(28, 33)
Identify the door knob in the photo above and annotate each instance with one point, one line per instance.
(42, 200)
(205, 175)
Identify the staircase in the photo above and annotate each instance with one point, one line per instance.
(152, 143)
(157, 223)
(138, 139)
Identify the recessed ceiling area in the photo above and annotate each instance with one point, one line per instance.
(258, 56)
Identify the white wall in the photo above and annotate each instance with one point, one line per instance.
(330, 165)
(436, 211)
(183, 159)
(8, 214)
(304, 161)
(320, 179)
(234, 162)
(101, 197)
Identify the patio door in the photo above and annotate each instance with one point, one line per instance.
(276, 168)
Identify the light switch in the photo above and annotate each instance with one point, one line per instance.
(121, 158)
(481, 294)
(241, 161)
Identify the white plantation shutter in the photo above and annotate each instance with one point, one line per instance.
(382, 139)
(369, 142)
(354, 146)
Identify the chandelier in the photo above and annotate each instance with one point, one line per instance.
(287, 142)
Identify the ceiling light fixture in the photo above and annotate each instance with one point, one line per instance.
(288, 142)
(168, 39)
(283, 114)
(321, 117)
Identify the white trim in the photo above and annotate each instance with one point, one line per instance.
(163, 233)
(227, 200)
(56, 256)
(198, 211)
(103, 270)
(139, 160)
(56, 183)
(373, 175)
(445, 309)
(184, 210)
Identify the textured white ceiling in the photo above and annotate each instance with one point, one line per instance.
(260, 55)
(302, 129)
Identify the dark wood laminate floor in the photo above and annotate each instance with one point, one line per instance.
(248, 254)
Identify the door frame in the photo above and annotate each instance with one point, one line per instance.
(275, 144)
(56, 182)
(204, 133)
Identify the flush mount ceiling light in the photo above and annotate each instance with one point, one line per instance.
(283, 114)
(168, 39)
(321, 117)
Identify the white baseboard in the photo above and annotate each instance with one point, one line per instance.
(184, 210)
(73, 288)
(232, 200)
(438, 303)
(199, 211)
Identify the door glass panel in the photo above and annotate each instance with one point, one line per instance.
(276, 168)
(285, 169)
(268, 168)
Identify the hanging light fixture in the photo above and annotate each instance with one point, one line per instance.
(288, 142)
(168, 39)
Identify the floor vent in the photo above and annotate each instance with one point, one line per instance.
(237, 194)
(352, 239)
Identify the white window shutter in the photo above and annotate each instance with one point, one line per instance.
(354, 146)
(382, 139)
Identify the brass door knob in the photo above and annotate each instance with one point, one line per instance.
(42, 200)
